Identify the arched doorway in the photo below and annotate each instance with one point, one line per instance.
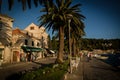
(16, 56)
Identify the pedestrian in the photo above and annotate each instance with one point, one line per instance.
(88, 56)
(81, 56)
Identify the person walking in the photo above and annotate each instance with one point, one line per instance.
(88, 56)
(81, 56)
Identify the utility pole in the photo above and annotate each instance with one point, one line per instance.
(69, 21)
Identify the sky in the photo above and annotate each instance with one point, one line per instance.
(102, 17)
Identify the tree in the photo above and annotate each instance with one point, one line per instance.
(24, 3)
(56, 17)
(54, 43)
(76, 35)
(49, 42)
(5, 37)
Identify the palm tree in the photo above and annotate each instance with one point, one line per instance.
(56, 17)
(76, 37)
(24, 3)
(49, 42)
(54, 43)
(5, 36)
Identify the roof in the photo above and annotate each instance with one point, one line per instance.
(32, 24)
(6, 16)
(16, 31)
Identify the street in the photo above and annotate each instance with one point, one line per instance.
(95, 69)
(98, 70)
(9, 72)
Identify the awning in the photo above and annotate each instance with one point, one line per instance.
(31, 49)
(50, 51)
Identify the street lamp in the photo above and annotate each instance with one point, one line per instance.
(69, 21)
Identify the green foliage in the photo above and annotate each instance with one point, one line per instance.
(28, 76)
(49, 72)
(54, 43)
(5, 37)
(49, 42)
(0, 56)
(58, 16)
(104, 44)
(24, 3)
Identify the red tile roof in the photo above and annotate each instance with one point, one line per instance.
(16, 31)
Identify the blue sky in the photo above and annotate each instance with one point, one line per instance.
(102, 17)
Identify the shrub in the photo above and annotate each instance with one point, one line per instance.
(47, 72)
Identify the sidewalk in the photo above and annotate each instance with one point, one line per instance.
(95, 69)
(9, 65)
(15, 64)
(76, 74)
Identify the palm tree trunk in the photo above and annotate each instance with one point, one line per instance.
(61, 45)
(74, 47)
(71, 45)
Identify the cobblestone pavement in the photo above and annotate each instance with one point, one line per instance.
(94, 70)
(10, 69)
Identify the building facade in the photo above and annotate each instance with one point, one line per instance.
(39, 33)
(6, 24)
(21, 45)
(29, 42)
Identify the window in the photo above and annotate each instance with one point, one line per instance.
(26, 42)
(32, 28)
(27, 33)
(32, 43)
(38, 44)
(0, 53)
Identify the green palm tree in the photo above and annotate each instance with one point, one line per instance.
(25, 3)
(76, 37)
(56, 17)
(5, 37)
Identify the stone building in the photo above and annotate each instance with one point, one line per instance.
(6, 24)
(16, 44)
(39, 38)
(39, 33)
(29, 41)
(18, 39)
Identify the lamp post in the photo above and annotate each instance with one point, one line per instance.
(42, 42)
(69, 21)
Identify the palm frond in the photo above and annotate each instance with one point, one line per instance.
(58, 16)
(5, 33)
(0, 5)
(29, 3)
(24, 5)
(36, 2)
(67, 3)
(10, 4)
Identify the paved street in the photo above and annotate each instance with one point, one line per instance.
(8, 70)
(94, 70)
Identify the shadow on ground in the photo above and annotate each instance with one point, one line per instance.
(17, 76)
